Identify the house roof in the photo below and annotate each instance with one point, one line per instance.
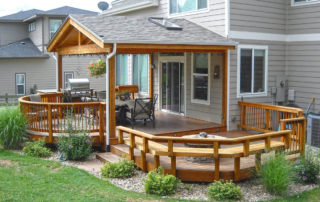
(34, 13)
(123, 6)
(21, 49)
(127, 29)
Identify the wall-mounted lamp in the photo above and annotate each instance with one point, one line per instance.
(153, 66)
(216, 71)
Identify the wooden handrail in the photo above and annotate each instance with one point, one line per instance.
(270, 107)
(293, 119)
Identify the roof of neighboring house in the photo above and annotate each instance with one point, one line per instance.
(21, 49)
(34, 13)
(127, 29)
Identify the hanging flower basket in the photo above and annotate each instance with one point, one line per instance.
(97, 69)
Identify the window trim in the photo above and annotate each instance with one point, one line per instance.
(65, 81)
(50, 27)
(307, 2)
(16, 85)
(148, 72)
(204, 10)
(197, 101)
(253, 47)
(30, 27)
(129, 68)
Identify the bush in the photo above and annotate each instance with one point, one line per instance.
(277, 173)
(220, 190)
(37, 149)
(13, 126)
(123, 169)
(159, 184)
(308, 167)
(75, 145)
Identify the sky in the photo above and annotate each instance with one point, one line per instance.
(9, 7)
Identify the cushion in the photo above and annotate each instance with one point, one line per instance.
(139, 116)
(36, 98)
(138, 108)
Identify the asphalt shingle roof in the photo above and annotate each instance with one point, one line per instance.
(140, 29)
(19, 50)
(21, 15)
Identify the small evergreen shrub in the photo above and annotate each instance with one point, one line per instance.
(308, 167)
(159, 184)
(37, 149)
(13, 126)
(122, 169)
(74, 144)
(220, 190)
(277, 173)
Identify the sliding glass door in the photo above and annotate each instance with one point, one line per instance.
(173, 87)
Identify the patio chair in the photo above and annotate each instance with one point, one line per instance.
(140, 111)
(40, 111)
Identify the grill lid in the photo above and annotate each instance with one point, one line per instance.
(78, 84)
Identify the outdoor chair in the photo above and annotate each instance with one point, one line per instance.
(40, 111)
(140, 111)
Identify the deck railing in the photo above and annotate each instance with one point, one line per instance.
(49, 116)
(244, 150)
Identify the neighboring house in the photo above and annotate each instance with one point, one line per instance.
(278, 41)
(24, 60)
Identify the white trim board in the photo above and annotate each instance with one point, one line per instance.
(274, 37)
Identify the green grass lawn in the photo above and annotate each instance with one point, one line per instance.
(24, 178)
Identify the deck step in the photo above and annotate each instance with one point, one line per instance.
(108, 156)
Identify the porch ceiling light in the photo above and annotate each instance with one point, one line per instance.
(165, 23)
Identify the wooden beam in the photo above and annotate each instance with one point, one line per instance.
(224, 89)
(83, 49)
(88, 34)
(59, 71)
(150, 76)
(160, 47)
(147, 51)
(112, 104)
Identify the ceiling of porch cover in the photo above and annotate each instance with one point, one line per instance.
(83, 34)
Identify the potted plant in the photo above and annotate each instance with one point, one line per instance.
(97, 69)
(124, 95)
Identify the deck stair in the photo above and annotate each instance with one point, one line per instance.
(108, 156)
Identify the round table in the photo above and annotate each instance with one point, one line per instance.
(195, 145)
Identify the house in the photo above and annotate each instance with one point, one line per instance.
(278, 47)
(24, 60)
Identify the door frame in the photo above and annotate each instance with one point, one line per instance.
(181, 59)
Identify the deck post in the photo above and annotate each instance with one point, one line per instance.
(173, 166)
(267, 143)
(258, 161)
(224, 88)
(150, 75)
(112, 104)
(267, 119)
(120, 136)
(217, 169)
(303, 136)
(50, 123)
(132, 145)
(246, 148)
(101, 123)
(59, 72)
(143, 161)
(236, 176)
(156, 161)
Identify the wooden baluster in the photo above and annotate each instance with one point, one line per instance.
(50, 123)
(132, 146)
(244, 111)
(266, 121)
(236, 176)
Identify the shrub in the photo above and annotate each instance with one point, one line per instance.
(159, 184)
(122, 169)
(220, 190)
(307, 167)
(75, 145)
(37, 149)
(277, 173)
(13, 126)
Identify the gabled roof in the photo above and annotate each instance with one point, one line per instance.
(34, 13)
(127, 29)
(21, 15)
(21, 49)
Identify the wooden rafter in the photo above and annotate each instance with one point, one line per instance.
(83, 49)
(160, 47)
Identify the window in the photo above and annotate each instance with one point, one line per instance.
(304, 2)
(32, 26)
(20, 84)
(54, 26)
(67, 76)
(140, 72)
(122, 74)
(252, 71)
(200, 78)
(184, 6)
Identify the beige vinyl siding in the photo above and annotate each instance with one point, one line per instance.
(266, 16)
(36, 36)
(12, 32)
(303, 73)
(213, 20)
(212, 112)
(304, 19)
(46, 31)
(276, 67)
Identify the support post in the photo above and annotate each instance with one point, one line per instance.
(258, 161)
(303, 137)
(120, 136)
(50, 123)
(224, 88)
(112, 104)
(59, 71)
(267, 143)
(173, 166)
(170, 148)
(236, 176)
(143, 161)
(150, 76)
(101, 123)
(156, 161)
(217, 169)
(132, 145)
(246, 148)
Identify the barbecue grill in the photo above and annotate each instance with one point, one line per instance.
(78, 88)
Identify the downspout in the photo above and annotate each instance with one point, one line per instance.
(108, 97)
(56, 71)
